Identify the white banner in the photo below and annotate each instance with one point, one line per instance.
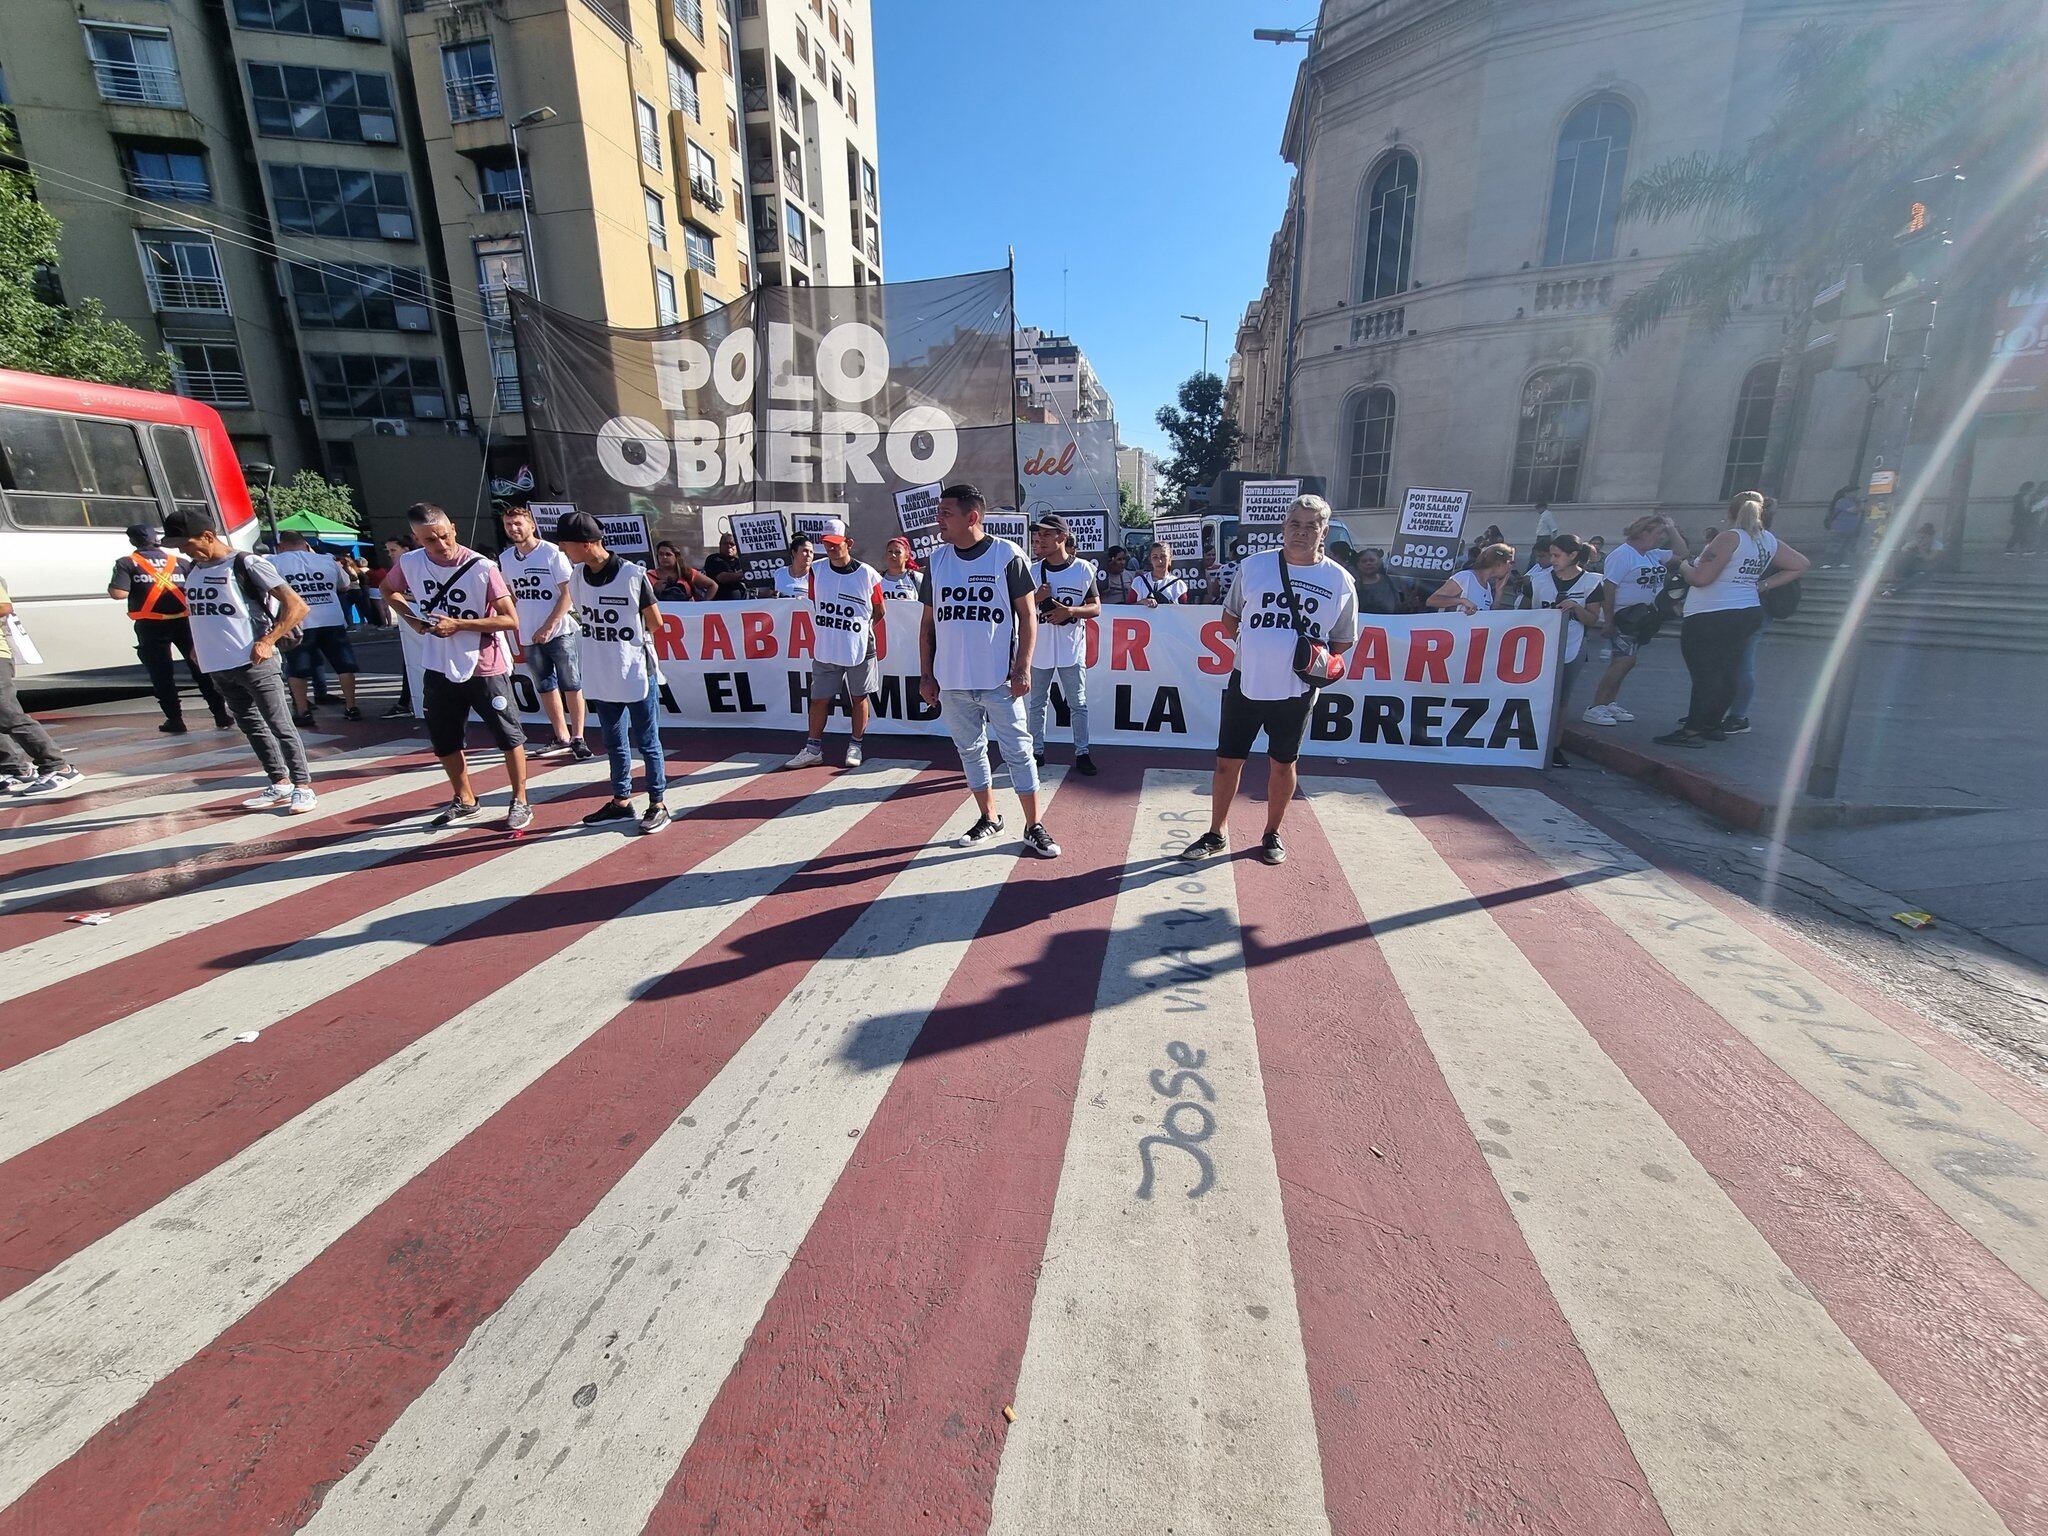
(1424, 688)
(1182, 537)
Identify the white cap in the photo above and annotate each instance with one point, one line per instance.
(833, 530)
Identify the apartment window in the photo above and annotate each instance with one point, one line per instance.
(832, 21)
(725, 59)
(682, 89)
(134, 65)
(1385, 233)
(1369, 447)
(739, 199)
(182, 272)
(298, 101)
(852, 105)
(691, 14)
(703, 255)
(166, 175)
(1585, 188)
(208, 370)
(838, 88)
(846, 41)
(818, 62)
(650, 131)
(501, 270)
(803, 43)
(314, 18)
(657, 219)
(370, 384)
(703, 172)
(666, 310)
(342, 203)
(732, 127)
(348, 295)
(1751, 433)
(1550, 441)
(867, 185)
(469, 71)
(68, 472)
(798, 231)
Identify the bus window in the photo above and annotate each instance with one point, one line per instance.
(63, 472)
(178, 452)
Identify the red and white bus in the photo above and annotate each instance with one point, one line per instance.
(79, 463)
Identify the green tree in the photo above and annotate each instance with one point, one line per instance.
(40, 337)
(310, 491)
(1129, 513)
(1205, 441)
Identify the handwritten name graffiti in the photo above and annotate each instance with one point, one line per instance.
(1188, 1121)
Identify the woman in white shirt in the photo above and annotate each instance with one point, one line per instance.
(1477, 590)
(794, 579)
(1157, 583)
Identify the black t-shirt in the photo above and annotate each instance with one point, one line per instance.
(136, 584)
(722, 564)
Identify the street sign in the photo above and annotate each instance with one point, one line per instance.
(1426, 540)
(1883, 481)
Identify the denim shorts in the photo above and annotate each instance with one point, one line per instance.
(328, 643)
(556, 664)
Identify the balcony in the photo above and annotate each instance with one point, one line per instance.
(192, 295)
(473, 98)
(211, 386)
(765, 237)
(793, 177)
(786, 110)
(1381, 325)
(1573, 295)
(140, 85)
(509, 395)
(872, 249)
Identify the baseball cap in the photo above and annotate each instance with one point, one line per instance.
(181, 524)
(142, 535)
(833, 530)
(1052, 522)
(578, 528)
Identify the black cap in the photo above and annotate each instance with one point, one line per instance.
(181, 524)
(143, 535)
(1052, 522)
(578, 528)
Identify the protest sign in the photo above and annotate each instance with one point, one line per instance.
(1426, 540)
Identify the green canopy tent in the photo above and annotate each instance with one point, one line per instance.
(325, 529)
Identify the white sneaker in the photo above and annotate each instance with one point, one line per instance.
(853, 754)
(1619, 713)
(15, 783)
(1599, 714)
(810, 757)
(49, 783)
(302, 800)
(271, 798)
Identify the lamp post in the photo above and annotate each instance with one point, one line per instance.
(1204, 324)
(1306, 34)
(528, 120)
(260, 478)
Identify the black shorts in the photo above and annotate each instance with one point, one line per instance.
(448, 704)
(328, 643)
(1285, 722)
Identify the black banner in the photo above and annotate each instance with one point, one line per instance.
(789, 400)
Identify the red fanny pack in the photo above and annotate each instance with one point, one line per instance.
(1313, 662)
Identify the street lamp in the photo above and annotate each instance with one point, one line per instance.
(1284, 34)
(528, 120)
(1204, 324)
(261, 477)
(1307, 35)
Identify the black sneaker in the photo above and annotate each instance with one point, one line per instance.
(351, 713)
(223, 723)
(580, 750)
(1680, 738)
(611, 810)
(984, 830)
(1272, 850)
(1038, 841)
(1084, 765)
(174, 728)
(1207, 846)
(454, 811)
(1558, 759)
(394, 712)
(654, 818)
(303, 718)
(1038, 758)
(1735, 725)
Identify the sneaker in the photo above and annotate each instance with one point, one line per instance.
(16, 783)
(49, 783)
(451, 813)
(1038, 841)
(580, 750)
(1084, 765)
(984, 830)
(547, 749)
(1716, 734)
(611, 810)
(519, 817)
(809, 757)
(854, 754)
(301, 800)
(1272, 850)
(654, 818)
(1208, 845)
(1038, 758)
(397, 710)
(1681, 738)
(303, 718)
(1619, 713)
(1558, 759)
(1735, 725)
(351, 713)
(223, 723)
(271, 799)
(1599, 714)
(174, 728)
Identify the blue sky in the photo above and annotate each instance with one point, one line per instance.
(1134, 142)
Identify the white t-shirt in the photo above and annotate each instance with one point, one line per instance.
(844, 605)
(970, 597)
(1638, 575)
(224, 630)
(1062, 645)
(1267, 631)
(1735, 587)
(455, 656)
(902, 587)
(1173, 589)
(789, 584)
(317, 578)
(1474, 586)
(1544, 592)
(616, 652)
(536, 581)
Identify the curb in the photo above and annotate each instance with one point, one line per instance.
(1711, 795)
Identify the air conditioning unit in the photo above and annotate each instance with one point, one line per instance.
(390, 426)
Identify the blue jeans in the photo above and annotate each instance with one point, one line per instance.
(1745, 677)
(1073, 684)
(966, 710)
(645, 734)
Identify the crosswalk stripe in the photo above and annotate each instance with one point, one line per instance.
(604, 1392)
(1163, 1384)
(1969, 1153)
(88, 1339)
(1746, 1406)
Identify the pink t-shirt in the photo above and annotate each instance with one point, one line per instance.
(491, 659)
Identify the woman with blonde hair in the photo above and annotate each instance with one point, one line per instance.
(1723, 613)
(1478, 589)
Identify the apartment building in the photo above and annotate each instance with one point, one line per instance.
(808, 96)
(1054, 373)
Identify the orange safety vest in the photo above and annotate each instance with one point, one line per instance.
(162, 582)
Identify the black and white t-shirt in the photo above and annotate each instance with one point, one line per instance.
(1328, 599)
(1062, 644)
(616, 652)
(224, 627)
(1638, 575)
(970, 595)
(1545, 591)
(317, 578)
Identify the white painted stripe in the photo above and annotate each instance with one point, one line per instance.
(1164, 1384)
(1745, 1404)
(654, 1295)
(112, 762)
(87, 1341)
(230, 829)
(77, 949)
(1981, 1162)
(72, 1082)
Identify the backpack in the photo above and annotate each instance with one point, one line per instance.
(261, 606)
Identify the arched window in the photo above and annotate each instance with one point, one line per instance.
(1585, 189)
(1752, 430)
(1550, 446)
(1369, 447)
(1386, 229)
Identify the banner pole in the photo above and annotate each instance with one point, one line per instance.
(1016, 463)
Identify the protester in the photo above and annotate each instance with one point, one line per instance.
(1482, 588)
(242, 609)
(2027, 505)
(1574, 591)
(1736, 722)
(728, 572)
(794, 579)
(393, 548)
(1378, 592)
(151, 581)
(1635, 575)
(318, 579)
(676, 580)
(1157, 583)
(1596, 554)
(537, 573)
(457, 602)
(617, 616)
(30, 763)
(1066, 595)
(358, 598)
(1486, 540)
(1281, 596)
(979, 631)
(846, 604)
(1915, 562)
(1844, 524)
(1723, 613)
(1114, 581)
(899, 571)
